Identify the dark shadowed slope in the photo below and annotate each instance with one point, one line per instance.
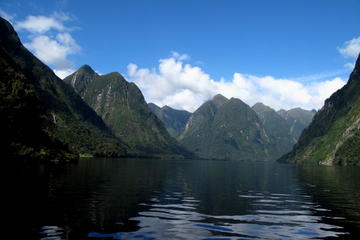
(41, 116)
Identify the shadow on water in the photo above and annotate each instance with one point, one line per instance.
(93, 195)
(336, 189)
(171, 199)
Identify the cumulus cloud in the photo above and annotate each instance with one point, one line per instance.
(351, 48)
(54, 50)
(183, 86)
(40, 24)
(50, 40)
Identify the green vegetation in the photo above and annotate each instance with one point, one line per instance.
(277, 127)
(298, 119)
(333, 136)
(42, 117)
(123, 108)
(227, 129)
(21, 124)
(173, 120)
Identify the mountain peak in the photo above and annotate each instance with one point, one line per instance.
(86, 69)
(227, 129)
(219, 96)
(296, 109)
(260, 107)
(153, 105)
(219, 100)
(72, 127)
(166, 107)
(123, 108)
(260, 104)
(81, 78)
(8, 33)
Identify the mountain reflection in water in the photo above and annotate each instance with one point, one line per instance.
(185, 199)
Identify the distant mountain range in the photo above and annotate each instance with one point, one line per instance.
(277, 127)
(224, 128)
(87, 114)
(298, 119)
(173, 119)
(333, 136)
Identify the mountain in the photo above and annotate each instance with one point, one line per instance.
(277, 127)
(224, 128)
(42, 117)
(123, 108)
(173, 119)
(298, 119)
(333, 137)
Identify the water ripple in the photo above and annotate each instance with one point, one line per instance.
(51, 233)
(278, 216)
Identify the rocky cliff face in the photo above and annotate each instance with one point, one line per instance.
(224, 128)
(333, 136)
(279, 128)
(174, 120)
(42, 117)
(298, 119)
(123, 108)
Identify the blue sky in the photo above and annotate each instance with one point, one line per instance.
(250, 46)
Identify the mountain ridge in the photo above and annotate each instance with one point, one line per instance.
(298, 119)
(174, 120)
(333, 137)
(123, 108)
(64, 125)
(229, 130)
(277, 127)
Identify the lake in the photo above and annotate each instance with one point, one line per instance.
(183, 199)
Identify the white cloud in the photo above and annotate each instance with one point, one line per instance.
(351, 48)
(50, 40)
(64, 73)
(184, 86)
(55, 50)
(179, 56)
(40, 24)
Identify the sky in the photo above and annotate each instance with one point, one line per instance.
(180, 53)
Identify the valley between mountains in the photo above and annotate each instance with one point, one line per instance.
(87, 114)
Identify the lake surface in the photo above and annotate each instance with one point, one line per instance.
(188, 199)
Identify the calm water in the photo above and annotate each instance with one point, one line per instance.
(168, 199)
